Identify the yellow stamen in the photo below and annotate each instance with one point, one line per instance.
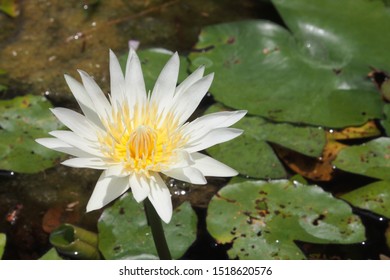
(142, 141)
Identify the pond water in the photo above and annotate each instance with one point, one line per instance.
(51, 37)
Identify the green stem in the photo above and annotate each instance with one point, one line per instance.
(155, 224)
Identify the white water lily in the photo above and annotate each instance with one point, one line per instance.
(134, 136)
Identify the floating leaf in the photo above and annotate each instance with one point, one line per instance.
(374, 197)
(367, 130)
(75, 242)
(262, 68)
(318, 169)
(386, 122)
(51, 255)
(2, 244)
(370, 159)
(22, 120)
(263, 219)
(9, 7)
(251, 153)
(125, 234)
(152, 62)
(322, 168)
(335, 32)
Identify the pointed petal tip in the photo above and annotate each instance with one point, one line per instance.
(233, 173)
(40, 141)
(211, 75)
(165, 213)
(82, 73)
(90, 208)
(112, 55)
(166, 219)
(241, 113)
(176, 55)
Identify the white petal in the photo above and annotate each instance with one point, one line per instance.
(76, 122)
(165, 86)
(183, 159)
(106, 190)
(94, 163)
(187, 174)
(60, 146)
(201, 126)
(83, 100)
(117, 80)
(140, 186)
(160, 197)
(116, 171)
(99, 100)
(190, 99)
(189, 81)
(134, 80)
(211, 167)
(76, 141)
(214, 137)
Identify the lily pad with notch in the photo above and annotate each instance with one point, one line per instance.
(263, 219)
(260, 67)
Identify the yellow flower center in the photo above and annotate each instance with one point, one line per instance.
(142, 141)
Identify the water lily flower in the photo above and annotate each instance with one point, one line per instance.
(134, 136)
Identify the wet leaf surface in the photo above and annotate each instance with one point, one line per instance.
(125, 234)
(371, 159)
(262, 219)
(251, 153)
(51, 255)
(22, 120)
(333, 31)
(263, 69)
(374, 197)
(386, 122)
(322, 168)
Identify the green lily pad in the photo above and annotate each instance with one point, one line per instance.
(75, 242)
(371, 159)
(348, 30)
(386, 121)
(125, 234)
(251, 153)
(2, 244)
(374, 197)
(9, 7)
(152, 62)
(51, 255)
(263, 219)
(22, 120)
(261, 67)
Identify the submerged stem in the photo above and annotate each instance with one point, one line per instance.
(155, 224)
